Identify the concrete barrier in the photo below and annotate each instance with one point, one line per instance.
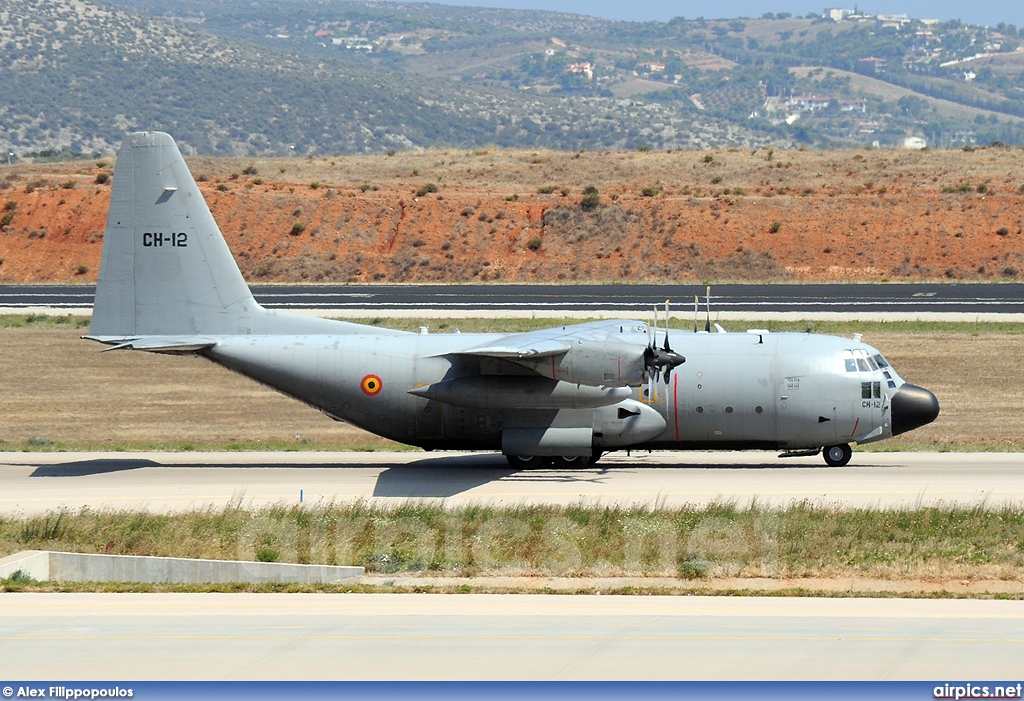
(43, 565)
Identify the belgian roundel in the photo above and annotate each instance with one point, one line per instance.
(371, 385)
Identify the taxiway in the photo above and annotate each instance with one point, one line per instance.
(37, 482)
(537, 637)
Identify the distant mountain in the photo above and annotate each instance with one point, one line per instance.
(874, 78)
(326, 76)
(79, 75)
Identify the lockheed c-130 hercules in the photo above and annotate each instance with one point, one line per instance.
(168, 284)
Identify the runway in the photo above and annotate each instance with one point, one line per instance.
(32, 483)
(783, 301)
(533, 637)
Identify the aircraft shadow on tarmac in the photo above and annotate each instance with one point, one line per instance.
(84, 468)
(441, 476)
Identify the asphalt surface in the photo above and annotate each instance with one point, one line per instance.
(532, 637)
(728, 301)
(32, 483)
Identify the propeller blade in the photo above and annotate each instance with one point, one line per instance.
(696, 310)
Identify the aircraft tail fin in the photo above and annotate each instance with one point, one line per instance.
(166, 269)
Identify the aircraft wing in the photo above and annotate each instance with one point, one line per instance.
(545, 343)
(155, 344)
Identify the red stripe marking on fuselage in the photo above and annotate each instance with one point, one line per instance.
(855, 424)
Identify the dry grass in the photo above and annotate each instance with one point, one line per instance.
(714, 542)
(505, 172)
(63, 393)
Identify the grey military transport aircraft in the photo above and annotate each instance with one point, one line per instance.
(564, 395)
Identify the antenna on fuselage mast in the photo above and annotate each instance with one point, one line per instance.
(707, 322)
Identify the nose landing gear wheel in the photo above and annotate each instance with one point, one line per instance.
(838, 455)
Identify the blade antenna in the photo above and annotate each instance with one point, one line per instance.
(707, 322)
(666, 346)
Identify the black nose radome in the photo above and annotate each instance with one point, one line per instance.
(912, 407)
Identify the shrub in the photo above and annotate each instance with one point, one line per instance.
(982, 189)
(467, 211)
(649, 191)
(222, 187)
(708, 158)
(512, 198)
(6, 218)
(69, 184)
(315, 185)
(717, 179)
(545, 189)
(774, 228)
(391, 152)
(9, 205)
(591, 198)
(535, 243)
(1002, 231)
(297, 228)
(267, 554)
(257, 181)
(81, 270)
(426, 189)
(249, 170)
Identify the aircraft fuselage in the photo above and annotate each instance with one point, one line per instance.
(735, 390)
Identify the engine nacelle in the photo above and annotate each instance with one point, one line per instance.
(594, 363)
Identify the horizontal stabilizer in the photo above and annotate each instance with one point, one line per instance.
(155, 344)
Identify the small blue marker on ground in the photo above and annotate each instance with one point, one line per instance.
(300, 495)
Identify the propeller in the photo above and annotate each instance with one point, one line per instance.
(660, 361)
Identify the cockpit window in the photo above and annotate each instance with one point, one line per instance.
(851, 364)
(858, 360)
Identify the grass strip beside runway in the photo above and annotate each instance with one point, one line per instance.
(701, 545)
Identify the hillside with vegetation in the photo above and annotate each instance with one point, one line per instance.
(877, 78)
(79, 75)
(283, 77)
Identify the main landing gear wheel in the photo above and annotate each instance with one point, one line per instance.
(526, 462)
(838, 455)
(571, 462)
